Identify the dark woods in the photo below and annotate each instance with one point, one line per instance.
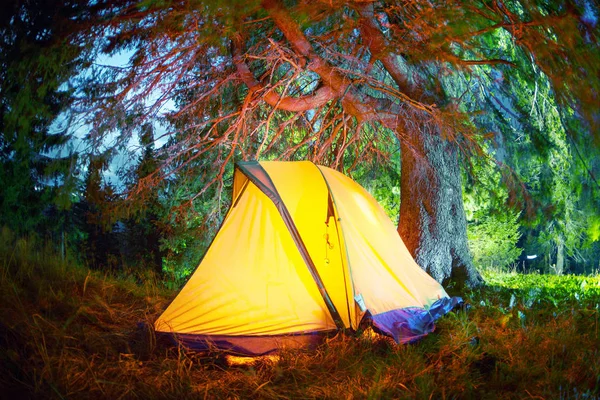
(474, 124)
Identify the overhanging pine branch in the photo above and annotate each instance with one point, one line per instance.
(361, 106)
(287, 103)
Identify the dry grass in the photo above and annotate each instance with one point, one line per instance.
(66, 332)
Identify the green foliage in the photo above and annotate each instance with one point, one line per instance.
(143, 226)
(188, 238)
(382, 181)
(558, 292)
(192, 214)
(99, 246)
(35, 67)
(493, 226)
(493, 239)
(535, 144)
(594, 229)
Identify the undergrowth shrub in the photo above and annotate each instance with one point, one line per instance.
(493, 238)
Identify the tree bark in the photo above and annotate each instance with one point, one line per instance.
(560, 255)
(432, 219)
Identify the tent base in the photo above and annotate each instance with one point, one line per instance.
(404, 325)
(248, 345)
(409, 324)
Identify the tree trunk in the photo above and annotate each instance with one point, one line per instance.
(432, 218)
(560, 255)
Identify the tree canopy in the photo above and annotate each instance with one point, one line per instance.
(350, 84)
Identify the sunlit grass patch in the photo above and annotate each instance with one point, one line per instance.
(553, 289)
(241, 360)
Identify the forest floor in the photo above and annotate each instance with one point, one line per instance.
(68, 333)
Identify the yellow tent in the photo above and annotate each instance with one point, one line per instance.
(303, 251)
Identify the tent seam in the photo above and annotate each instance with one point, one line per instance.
(293, 230)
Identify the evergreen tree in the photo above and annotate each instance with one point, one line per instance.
(339, 83)
(537, 147)
(101, 243)
(36, 63)
(143, 228)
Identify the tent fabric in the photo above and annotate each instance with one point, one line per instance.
(382, 269)
(409, 324)
(304, 192)
(303, 251)
(249, 345)
(252, 280)
(297, 198)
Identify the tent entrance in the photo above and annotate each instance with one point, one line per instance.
(257, 175)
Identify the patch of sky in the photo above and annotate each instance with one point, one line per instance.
(590, 14)
(74, 122)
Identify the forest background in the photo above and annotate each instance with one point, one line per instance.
(473, 123)
(127, 165)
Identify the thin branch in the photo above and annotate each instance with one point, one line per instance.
(296, 104)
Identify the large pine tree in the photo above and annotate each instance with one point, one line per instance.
(341, 83)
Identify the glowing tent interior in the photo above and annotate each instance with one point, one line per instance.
(303, 251)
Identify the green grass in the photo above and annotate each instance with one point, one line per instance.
(67, 332)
